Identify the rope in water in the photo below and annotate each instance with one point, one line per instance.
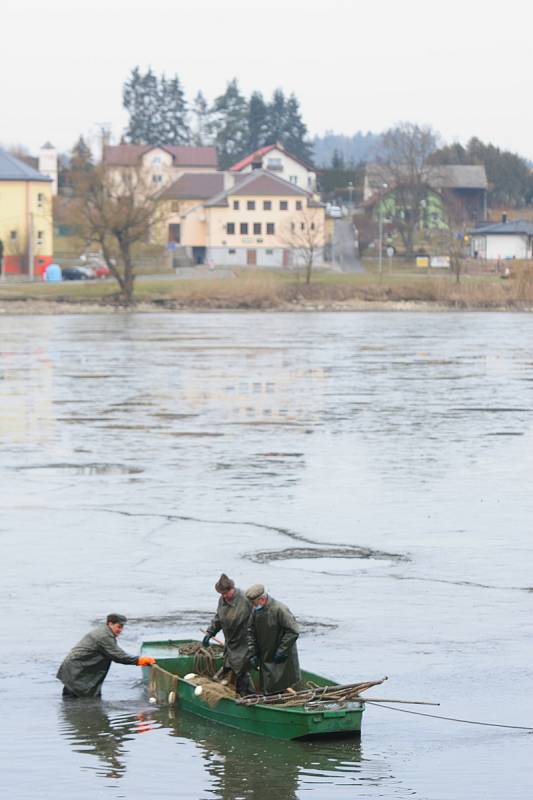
(450, 719)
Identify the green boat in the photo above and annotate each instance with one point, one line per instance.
(166, 683)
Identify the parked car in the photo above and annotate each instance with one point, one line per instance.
(335, 212)
(95, 261)
(74, 274)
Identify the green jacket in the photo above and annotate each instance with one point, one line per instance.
(273, 630)
(232, 617)
(84, 669)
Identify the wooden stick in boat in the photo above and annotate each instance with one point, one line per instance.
(408, 702)
(331, 691)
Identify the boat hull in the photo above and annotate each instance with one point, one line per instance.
(166, 684)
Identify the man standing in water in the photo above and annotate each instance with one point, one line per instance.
(84, 670)
(232, 616)
(272, 636)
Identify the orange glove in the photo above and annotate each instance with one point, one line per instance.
(145, 661)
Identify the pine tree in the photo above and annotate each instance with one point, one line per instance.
(277, 118)
(230, 125)
(295, 136)
(157, 109)
(174, 128)
(257, 122)
(201, 124)
(81, 157)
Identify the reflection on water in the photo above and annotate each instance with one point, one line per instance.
(241, 766)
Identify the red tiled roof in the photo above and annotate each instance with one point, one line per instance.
(195, 185)
(127, 155)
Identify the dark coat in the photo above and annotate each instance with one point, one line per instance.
(273, 630)
(232, 617)
(84, 669)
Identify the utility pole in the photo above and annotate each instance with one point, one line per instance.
(385, 186)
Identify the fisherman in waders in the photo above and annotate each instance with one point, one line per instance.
(232, 616)
(272, 636)
(84, 670)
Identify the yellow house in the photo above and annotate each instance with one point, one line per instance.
(26, 221)
(254, 219)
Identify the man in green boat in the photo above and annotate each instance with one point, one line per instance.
(232, 616)
(84, 670)
(272, 635)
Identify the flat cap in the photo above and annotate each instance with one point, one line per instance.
(255, 591)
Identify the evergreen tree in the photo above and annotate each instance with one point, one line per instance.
(277, 118)
(295, 136)
(157, 109)
(201, 121)
(337, 160)
(257, 122)
(174, 128)
(230, 125)
(81, 157)
(140, 97)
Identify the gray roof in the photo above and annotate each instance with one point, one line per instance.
(259, 182)
(195, 186)
(445, 176)
(518, 227)
(13, 169)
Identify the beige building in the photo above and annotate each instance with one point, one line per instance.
(274, 158)
(254, 218)
(159, 166)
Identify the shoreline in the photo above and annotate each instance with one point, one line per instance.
(34, 307)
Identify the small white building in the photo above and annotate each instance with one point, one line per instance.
(48, 164)
(274, 158)
(502, 240)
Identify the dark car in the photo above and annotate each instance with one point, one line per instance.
(74, 274)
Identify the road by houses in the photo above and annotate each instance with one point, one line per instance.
(344, 249)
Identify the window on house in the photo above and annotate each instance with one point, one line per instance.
(267, 205)
(294, 179)
(312, 226)
(283, 205)
(40, 237)
(40, 199)
(174, 206)
(230, 228)
(298, 205)
(257, 228)
(250, 205)
(13, 236)
(269, 252)
(232, 252)
(293, 226)
(302, 226)
(236, 205)
(157, 179)
(274, 164)
(244, 228)
(156, 160)
(270, 229)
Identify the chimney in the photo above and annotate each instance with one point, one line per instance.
(504, 218)
(229, 180)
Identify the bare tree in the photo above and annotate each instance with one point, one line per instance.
(117, 213)
(305, 236)
(402, 168)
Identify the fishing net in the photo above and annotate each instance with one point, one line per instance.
(204, 657)
(213, 691)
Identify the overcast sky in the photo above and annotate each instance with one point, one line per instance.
(463, 67)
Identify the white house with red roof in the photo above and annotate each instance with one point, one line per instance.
(274, 158)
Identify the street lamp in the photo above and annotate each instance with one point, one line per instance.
(384, 187)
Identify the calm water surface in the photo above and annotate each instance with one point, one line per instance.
(373, 470)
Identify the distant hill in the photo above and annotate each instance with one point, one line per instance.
(352, 149)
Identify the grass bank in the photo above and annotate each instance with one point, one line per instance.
(275, 291)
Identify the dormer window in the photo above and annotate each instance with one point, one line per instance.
(156, 160)
(157, 179)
